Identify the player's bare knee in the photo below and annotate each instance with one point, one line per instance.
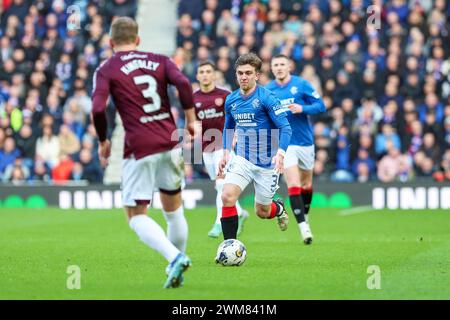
(228, 198)
(135, 211)
(294, 184)
(260, 213)
(306, 178)
(170, 201)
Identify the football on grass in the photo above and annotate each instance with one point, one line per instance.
(231, 252)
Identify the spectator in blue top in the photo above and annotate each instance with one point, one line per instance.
(400, 7)
(387, 134)
(363, 158)
(8, 154)
(343, 150)
(433, 105)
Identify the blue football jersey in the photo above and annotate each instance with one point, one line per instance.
(299, 91)
(260, 125)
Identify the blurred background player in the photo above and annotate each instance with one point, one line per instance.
(209, 101)
(137, 82)
(299, 99)
(253, 112)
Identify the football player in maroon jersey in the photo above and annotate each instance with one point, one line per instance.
(137, 83)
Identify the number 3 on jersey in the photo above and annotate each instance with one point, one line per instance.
(150, 92)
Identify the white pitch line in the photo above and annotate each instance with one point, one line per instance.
(356, 210)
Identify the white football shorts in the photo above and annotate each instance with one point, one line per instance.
(211, 160)
(302, 156)
(161, 171)
(242, 172)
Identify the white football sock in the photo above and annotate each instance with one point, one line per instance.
(239, 208)
(219, 203)
(153, 235)
(177, 228)
(305, 230)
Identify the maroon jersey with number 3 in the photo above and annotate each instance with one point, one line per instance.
(137, 82)
(209, 108)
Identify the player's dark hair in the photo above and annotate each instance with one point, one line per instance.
(124, 30)
(280, 55)
(249, 58)
(207, 63)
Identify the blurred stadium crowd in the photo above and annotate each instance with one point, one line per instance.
(387, 89)
(46, 74)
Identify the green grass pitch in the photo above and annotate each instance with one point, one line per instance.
(411, 248)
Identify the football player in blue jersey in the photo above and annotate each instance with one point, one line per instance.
(263, 133)
(299, 100)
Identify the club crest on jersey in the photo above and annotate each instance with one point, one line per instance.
(256, 103)
(294, 90)
(233, 106)
(218, 102)
(198, 104)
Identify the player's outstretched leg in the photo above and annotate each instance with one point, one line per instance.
(230, 220)
(275, 209)
(173, 211)
(298, 207)
(306, 179)
(177, 228)
(306, 233)
(216, 229)
(307, 198)
(281, 214)
(151, 233)
(177, 232)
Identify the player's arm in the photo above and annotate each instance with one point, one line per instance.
(100, 94)
(227, 138)
(275, 111)
(278, 116)
(181, 82)
(315, 103)
(192, 125)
